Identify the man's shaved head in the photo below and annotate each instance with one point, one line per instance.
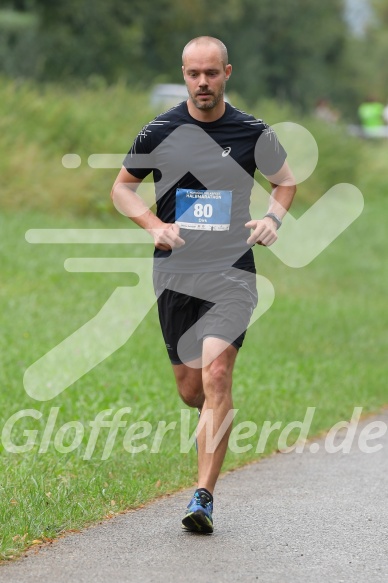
(208, 40)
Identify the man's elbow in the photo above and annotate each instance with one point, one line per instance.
(115, 193)
(289, 180)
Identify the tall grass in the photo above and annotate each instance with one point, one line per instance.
(39, 124)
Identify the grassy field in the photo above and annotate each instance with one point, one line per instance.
(322, 344)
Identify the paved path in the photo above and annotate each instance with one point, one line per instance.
(311, 517)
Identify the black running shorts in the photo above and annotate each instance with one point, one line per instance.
(195, 306)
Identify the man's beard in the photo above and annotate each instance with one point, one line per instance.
(208, 104)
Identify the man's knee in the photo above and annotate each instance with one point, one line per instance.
(217, 379)
(217, 373)
(217, 376)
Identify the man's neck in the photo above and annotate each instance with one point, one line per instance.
(206, 115)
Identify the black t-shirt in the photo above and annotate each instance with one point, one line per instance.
(210, 166)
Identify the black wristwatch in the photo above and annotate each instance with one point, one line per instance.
(275, 218)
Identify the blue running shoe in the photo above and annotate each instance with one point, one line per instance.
(199, 513)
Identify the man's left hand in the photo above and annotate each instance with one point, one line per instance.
(264, 232)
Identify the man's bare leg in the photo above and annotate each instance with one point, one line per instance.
(217, 387)
(189, 384)
(210, 390)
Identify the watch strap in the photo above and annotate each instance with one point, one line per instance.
(275, 218)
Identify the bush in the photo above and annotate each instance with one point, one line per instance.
(41, 123)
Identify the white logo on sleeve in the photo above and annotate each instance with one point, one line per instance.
(226, 151)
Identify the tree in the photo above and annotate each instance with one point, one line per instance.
(287, 50)
(294, 50)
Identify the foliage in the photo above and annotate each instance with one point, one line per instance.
(288, 53)
(363, 71)
(40, 123)
(294, 50)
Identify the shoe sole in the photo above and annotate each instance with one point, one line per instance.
(197, 522)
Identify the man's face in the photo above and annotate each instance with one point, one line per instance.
(205, 75)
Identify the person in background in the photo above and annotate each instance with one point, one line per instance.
(371, 118)
(324, 111)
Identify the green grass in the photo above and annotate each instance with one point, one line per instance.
(322, 344)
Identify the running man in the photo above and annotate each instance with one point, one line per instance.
(203, 154)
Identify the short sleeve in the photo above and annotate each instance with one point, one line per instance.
(269, 153)
(141, 145)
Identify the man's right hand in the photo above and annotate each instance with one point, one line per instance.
(166, 237)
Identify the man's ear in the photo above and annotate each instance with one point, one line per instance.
(183, 71)
(228, 71)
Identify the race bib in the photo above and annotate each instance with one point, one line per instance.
(206, 210)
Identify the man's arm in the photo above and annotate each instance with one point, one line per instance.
(130, 204)
(283, 191)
